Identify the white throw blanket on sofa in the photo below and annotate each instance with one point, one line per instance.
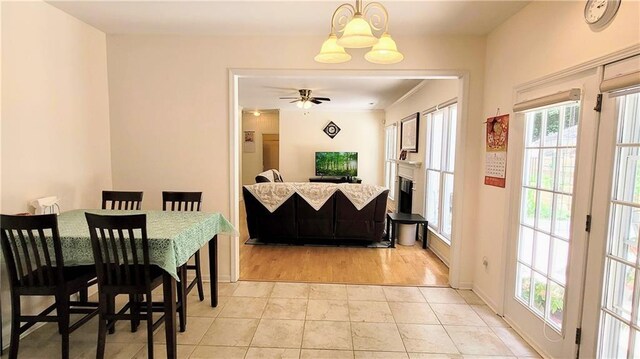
(273, 195)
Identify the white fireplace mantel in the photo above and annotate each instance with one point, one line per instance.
(414, 164)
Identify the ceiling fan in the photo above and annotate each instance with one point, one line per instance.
(305, 99)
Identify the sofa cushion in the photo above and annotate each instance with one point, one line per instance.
(266, 176)
(314, 223)
(269, 176)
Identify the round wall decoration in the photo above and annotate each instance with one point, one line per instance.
(331, 129)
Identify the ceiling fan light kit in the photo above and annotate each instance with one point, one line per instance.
(303, 104)
(305, 100)
(357, 26)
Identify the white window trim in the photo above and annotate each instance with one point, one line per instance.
(389, 161)
(445, 109)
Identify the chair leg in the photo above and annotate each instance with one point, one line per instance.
(84, 295)
(182, 297)
(111, 308)
(199, 276)
(134, 309)
(149, 326)
(62, 307)
(15, 327)
(102, 326)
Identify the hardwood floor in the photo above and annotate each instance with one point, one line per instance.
(400, 266)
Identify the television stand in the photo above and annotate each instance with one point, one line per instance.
(335, 179)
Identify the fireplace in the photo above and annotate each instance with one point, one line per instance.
(405, 195)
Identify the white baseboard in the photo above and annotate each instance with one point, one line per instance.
(486, 299)
(465, 285)
(221, 278)
(439, 255)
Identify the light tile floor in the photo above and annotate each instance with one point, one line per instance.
(297, 320)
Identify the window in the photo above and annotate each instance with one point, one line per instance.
(441, 155)
(391, 135)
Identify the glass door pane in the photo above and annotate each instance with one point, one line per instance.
(620, 298)
(546, 211)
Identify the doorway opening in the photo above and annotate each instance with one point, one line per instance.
(296, 164)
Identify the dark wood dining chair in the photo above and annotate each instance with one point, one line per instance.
(122, 200)
(33, 254)
(121, 253)
(186, 201)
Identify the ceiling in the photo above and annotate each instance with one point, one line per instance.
(302, 17)
(355, 93)
(307, 17)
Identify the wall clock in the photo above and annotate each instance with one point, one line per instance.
(599, 13)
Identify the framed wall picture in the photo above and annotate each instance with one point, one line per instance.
(409, 133)
(249, 144)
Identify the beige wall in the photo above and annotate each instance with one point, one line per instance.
(169, 103)
(543, 38)
(431, 93)
(302, 136)
(55, 113)
(266, 123)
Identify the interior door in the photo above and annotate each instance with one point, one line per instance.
(270, 152)
(552, 148)
(612, 294)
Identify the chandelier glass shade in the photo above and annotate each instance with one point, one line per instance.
(357, 34)
(384, 52)
(331, 52)
(359, 27)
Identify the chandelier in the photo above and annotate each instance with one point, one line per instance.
(357, 26)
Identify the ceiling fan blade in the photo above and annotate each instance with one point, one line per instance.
(322, 98)
(289, 98)
(315, 101)
(294, 101)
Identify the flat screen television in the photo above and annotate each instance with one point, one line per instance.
(337, 164)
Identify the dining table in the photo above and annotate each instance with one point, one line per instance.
(173, 238)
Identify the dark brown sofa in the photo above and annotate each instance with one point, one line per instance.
(296, 222)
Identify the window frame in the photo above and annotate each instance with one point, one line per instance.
(446, 165)
(390, 154)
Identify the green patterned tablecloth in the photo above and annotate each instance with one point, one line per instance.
(173, 236)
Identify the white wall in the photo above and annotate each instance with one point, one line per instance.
(266, 123)
(543, 38)
(169, 103)
(431, 93)
(55, 112)
(302, 135)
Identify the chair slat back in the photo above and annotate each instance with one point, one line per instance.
(116, 242)
(181, 201)
(122, 200)
(26, 244)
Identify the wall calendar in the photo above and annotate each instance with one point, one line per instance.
(497, 135)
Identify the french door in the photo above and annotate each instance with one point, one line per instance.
(612, 295)
(552, 139)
